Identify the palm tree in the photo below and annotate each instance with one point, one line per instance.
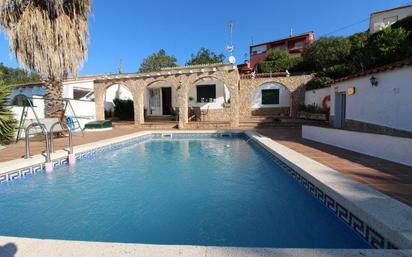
(49, 37)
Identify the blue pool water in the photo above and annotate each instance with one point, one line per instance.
(216, 192)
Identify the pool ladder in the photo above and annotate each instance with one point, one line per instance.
(27, 139)
(48, 136)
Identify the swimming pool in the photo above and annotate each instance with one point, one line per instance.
(192, 191)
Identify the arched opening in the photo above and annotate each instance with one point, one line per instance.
(270, 99)
(118, 103)
(160, 101)
(209, 100)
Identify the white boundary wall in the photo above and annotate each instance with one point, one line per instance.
(389, 104)
(316, 96)
(396, 149)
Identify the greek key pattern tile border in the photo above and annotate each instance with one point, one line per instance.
(39, 168)
(374, 238)
(24, 172)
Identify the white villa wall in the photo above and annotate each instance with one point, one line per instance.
(284, 96)
(396, 149)
(222, 95)
(316, 96)
(38, 104)
(389, 104)
(381, 20)
(68, 86)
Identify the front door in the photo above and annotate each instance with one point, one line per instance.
(340, 110)
(166, 100)
(155, 102)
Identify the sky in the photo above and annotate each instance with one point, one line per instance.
(130, 30)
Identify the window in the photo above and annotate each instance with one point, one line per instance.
(299, 44)
(270, 96)
(206, 93)
(21, 100)
(81, 93)
(259, 49)
(389, 21)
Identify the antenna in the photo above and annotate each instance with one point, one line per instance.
(291, 32)
(120, 66)
(230, 47)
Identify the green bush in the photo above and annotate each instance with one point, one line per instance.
(326, 52)
(7, 121)
(335, 71)
(312, 108)
(123, 109)
(319, 82)
(278, 61)
(388, 45)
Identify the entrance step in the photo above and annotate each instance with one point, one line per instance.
(276, 122)
(160, 124)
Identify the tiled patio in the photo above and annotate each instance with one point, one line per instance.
(390, 178)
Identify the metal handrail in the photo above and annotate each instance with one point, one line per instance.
(27, 139)
(70, 136)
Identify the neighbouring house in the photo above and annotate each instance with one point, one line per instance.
(382, 19)
(293, 44)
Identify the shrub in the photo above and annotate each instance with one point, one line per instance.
(7, 121)
(278, 61)
(325, 52)
(319, 82)
(123, 109)
(312, 108)
(388, 45)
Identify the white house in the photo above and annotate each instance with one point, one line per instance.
(378, 99)
(371, 113)
(382, 19)
(79, 91)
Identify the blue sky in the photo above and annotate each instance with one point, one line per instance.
(130, 30)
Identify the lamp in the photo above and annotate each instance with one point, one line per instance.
(374, 81)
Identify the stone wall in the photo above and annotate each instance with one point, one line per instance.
(295, 85)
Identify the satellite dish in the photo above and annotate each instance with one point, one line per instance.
(232, 59)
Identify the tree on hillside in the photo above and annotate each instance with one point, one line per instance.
(278, 61)
(326, 52)
(389, 45)
(358, 59)
(49, 37)
(205, 56)
(157, 61)
(11, 76)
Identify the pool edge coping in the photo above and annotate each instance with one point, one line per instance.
(27, 247)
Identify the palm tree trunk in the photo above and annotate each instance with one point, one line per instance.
(54, 105)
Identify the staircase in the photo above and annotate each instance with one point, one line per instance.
(256, 122)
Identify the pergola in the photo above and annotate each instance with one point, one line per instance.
(181, 79)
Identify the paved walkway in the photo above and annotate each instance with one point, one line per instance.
(390, 178)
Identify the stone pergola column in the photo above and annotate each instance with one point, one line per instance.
(182, 91)
(138, 103)
(99, 94)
